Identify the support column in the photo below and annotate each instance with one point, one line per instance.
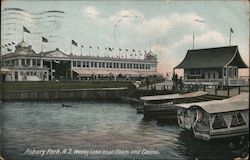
(71, 71)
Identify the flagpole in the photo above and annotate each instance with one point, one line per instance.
(22, 35)
(42, 47)
(230, 36)
(193, 40)
(81, 50)
(71, 48)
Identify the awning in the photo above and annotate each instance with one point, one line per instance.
(83, 72)
(108, 72)
(5, 71)
(236, 103)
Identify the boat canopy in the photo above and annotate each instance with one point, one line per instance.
(236, 103)
(173, 96)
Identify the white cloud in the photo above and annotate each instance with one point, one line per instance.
(190, 19)
(207, 38)
(210, 36)
(157, 26)
(126, 16)
(159, 48)
(91, 12)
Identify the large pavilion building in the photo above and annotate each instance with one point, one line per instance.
(213, 65)
(26, 65)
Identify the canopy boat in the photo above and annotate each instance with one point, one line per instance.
(216, 119)
(169, 98)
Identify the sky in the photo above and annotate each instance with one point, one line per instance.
(164, 27)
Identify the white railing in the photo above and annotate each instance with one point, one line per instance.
(222, 81)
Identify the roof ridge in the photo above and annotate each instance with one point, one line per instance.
(213, 48)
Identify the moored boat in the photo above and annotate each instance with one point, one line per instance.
(216, 119)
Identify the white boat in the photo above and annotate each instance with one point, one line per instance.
(216, 119)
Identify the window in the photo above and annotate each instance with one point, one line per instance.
(78, 63)
(34, 62)
(225, 71)
(28, 62)
(230, 71)
(38, 61)
(235, 71)
(74, 63)
(23, 62)
(95, 64)
(87, 64)
(92, 64)
(83, 64)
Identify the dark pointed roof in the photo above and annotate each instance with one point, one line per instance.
(212, 58)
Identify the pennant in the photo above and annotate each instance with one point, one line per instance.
(44, 40)
(73, 42)
(231, 30)
(26, 30)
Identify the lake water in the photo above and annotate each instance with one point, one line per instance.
(88, 130)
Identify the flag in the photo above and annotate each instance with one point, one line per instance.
(73, 42)
(44, 40)
(25, 29)
(82, 46)
(231, 30)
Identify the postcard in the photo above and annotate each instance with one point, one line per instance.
(128, 79)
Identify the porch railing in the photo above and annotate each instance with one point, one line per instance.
(221, 81)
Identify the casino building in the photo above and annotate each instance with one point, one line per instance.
(24, 64)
